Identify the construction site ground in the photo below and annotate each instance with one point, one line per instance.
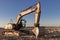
(45, 33)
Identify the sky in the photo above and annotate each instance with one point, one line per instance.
(50, 11)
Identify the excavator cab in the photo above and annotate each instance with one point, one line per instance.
(22, 23)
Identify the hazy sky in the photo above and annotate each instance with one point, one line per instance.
(50, 11)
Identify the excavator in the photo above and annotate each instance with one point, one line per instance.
(20, 23)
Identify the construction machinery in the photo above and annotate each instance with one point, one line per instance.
(20, 23)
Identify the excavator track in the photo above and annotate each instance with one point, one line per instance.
(22, 35)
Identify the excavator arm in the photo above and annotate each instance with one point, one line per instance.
(37, 14)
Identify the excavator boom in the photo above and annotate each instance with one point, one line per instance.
(23, 13)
